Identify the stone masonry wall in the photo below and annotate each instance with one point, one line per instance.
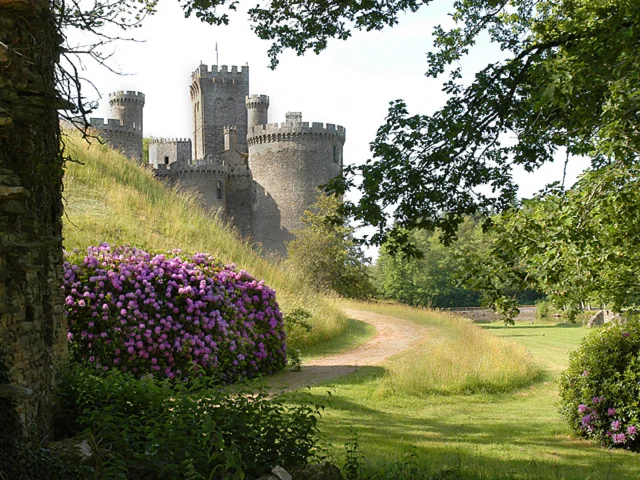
(120, 137)
(33, 333)
(123, 131)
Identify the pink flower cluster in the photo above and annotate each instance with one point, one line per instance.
(171, 315)
(592, 421)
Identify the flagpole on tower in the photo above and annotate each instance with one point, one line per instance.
(216, 53)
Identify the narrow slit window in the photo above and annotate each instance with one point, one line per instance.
(166, 159)
(219, 190)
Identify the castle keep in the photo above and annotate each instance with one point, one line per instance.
(260, 175)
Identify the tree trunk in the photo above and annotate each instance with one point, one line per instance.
(32, 320)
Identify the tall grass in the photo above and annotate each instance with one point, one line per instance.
(456, 357)
(109, 199)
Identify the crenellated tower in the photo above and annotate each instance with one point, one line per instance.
(127, 107)
(123, 129)
(260, 176)
(257, 110)
(288, 161)
(218, 100)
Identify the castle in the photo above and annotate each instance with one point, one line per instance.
(260, 175)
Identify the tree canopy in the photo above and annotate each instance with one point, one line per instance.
(570, 82)
(577, 246)
(433, 279)
(325, 255)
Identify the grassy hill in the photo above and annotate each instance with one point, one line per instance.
(109, 199)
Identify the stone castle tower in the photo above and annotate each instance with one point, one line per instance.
(123, 130)
(217, 97)
(288, 161)
(262, 176)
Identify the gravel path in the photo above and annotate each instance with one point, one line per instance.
(393, 335)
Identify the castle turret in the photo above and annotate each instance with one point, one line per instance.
(127, 107)
(123, 130)
(257, 110)
(293, 118)
(288, 162)
(218, 97)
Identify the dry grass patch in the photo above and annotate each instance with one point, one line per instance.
(458, 357)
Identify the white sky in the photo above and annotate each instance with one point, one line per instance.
(351, 83)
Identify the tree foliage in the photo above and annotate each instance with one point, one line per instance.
(432, 280)
(576, 246)
(568, 82)
(325, 254)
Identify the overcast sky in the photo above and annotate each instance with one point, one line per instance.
(351, 83)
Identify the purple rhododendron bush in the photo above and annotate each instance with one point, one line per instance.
(171, 315)
(600, 390)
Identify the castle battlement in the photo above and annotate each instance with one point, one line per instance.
(251, 100)
(273, 132)
(115, 126)
(261, 176)
(170, 140)
(212, 71)
(99, 122)
(127, 94)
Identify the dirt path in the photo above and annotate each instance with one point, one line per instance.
(393, 335)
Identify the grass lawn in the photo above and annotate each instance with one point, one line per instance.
(500, 435)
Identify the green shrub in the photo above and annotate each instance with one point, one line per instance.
(600, 390)
(543, 309)
(159, 429)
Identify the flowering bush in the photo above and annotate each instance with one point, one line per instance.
(170, 315)
(601, 387)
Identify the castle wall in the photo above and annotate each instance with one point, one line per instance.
(238, 196)
(288, 162)
(238, 185)
(218, 98)
(119, 137)
(207, 178)
(167, 152)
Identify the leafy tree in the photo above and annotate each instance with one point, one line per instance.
(325, 254)
(576, 246)
(568, 82)
(433, 279)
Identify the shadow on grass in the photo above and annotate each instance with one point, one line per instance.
(326, 375)
(478, 448)
(531, 327)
